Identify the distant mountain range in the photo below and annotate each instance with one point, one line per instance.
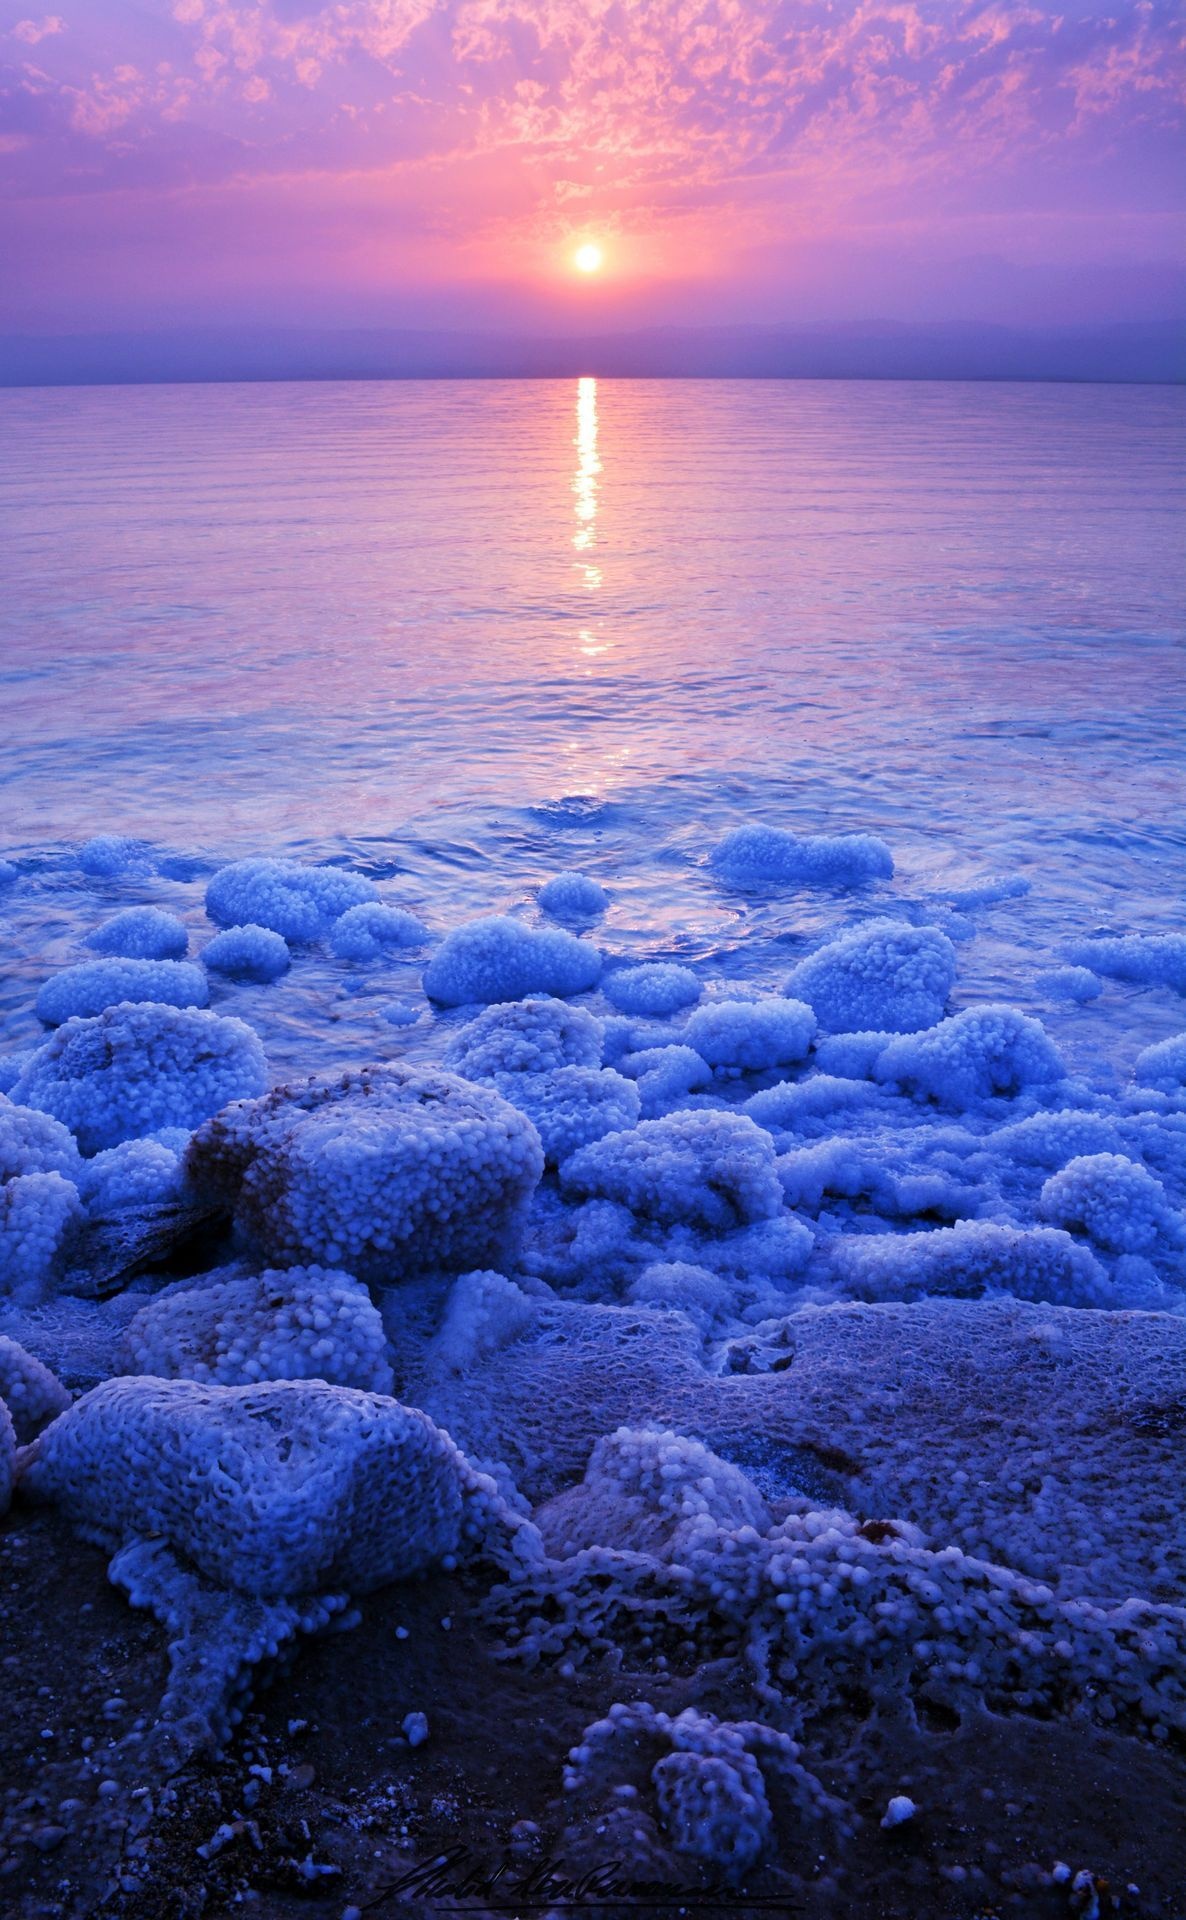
(1154, 351)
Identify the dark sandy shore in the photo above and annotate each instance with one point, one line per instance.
(336, 1786)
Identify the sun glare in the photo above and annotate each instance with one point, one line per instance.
(587, 259)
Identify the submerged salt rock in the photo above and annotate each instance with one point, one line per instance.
(751, 1035)
(302, 903)
(1143, 959)
(111, 855)
(647, 1490)
(282, 1489)
(34, 1142)
(656, 990)
(40, 1218)
(383, 1172)
(573, 897)
(32, 1394)
(141, 933)
(973, 1056)
(373, 929)
(83, 991)
(883, 975)
(500, 959)
(248, 953)
(135, 1069)
(1163, 1065)
(536, 1035)
(716, 1170)
(776, 857)
(233, 1328)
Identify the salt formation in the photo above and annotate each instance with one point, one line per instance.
(7, 1459)
(383, 1172)
(33, 1142)
(369, 931)
(535, 1035)
(776, 857)
(666, 1076)
(501, 959)
(972, 1056)
(573, 897)
(248, 952)
(1113, 1200)
(1143, 959)
(134, 1070)
(276, 1490)
(234, 1329)
(137, 1173)
(748, 1036)
(40, 1215)
(655, 990)
(485, 1311)
(572, 1106)
(1163, 1066)
(80, 992)
(976, 1257)
(1071, 983)
(32, 1394)
(708, 1778)
(649, 1491)
(883, 975)
(111, 856)
(302, 903)
(715, 1170)
(142, 933)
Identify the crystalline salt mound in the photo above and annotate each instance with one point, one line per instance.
(40, 1215)
(1113, 1200)
(573, 897)
(716, 1170)
(751, 1035)
(773, 856)
(1163, 1065)
(248, 953)
(384, 1172)
(32, 1394)
(1143, 959)
(302, 903)
(501, 959)
(83, 991)
(141, 933)
(655, 991)
(536, 1035)
(646, 1490)
(972, 1057)
(370, 931)
(975, 1257)
(881, 976)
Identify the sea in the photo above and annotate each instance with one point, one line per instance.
(461, 636)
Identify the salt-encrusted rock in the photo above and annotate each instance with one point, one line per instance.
(716, 1170)
(40, 1217)
(80, 992)
(1113, 1200)
(751, 1035)
(34, 1142)
(881, 976)
(111, 856)
(656, 990)
(648, 1491)
(136, 1175)
(32, 1394)
(302, 903)
(278, 1490)
(976, 1054)
(973, 1258)
(1144, 959)
(369, 931)
(571, 1106)
(573, 897)
(234, 1329)
(772, 856)
(141, 933)
(248, 953)
(134, 1070)
(1163, 1065)
(383, 1172)
(525, 1036)
(665, 1077)
(501, 959)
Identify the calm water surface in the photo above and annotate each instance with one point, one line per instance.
(465, 634)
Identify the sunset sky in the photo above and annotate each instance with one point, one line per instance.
(439, 162)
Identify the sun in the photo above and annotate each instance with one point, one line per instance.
(587, 258)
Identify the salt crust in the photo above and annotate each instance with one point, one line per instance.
(135, 1069)
(774, 856)
(748, 1036)
(32, 1394)
(1071, 983)
(648, 1491)
(234, 1329)
(1143, 959)
(666, 1077)
(654, 991)
(973, 1258)
(535, 1035)
(112, 856)
(975, 1054)
(33, 1142)
(572, 1106)
(276, 1490)
(382, 1172)
(500, 959)
(573, 897)
(40, 1214)
(302, 903)
(1163, 1065)
(1116, 1202)
(883, 975)
(136, 1174)
(368, 932)
(83, 991)
(716, 1170)
(7, 1458)
(248, 952)
(141, 933)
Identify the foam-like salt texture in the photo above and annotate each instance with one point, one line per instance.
(32, 1394)
(141, 933)
(501, 959)
(573, 897)
(369, 931)
(82, 991)
(656, 990)
(248, 952)
(880, 976)
(773, 856)
(302, 903)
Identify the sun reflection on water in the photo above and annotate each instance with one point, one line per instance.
(585, 480)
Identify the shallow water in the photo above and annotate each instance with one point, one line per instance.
(463, 635)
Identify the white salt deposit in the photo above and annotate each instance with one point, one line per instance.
(141, 933)
(501, 959)
(87, 989)
(248, 952)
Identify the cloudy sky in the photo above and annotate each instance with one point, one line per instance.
(437, 162)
